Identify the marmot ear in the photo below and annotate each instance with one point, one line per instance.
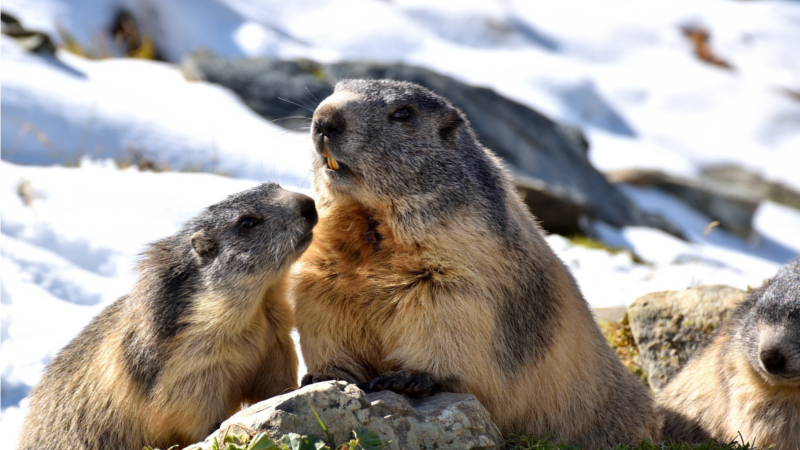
(203, 246)
(450, 124)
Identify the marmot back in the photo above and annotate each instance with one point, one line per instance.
(747, 381)
(428, 271)
(205, 328)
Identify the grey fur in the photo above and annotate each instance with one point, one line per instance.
(767, 326)
(443, 159)
(215, 255)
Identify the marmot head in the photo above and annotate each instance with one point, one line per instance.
(259, 232)
(769, 327)
(383, 142)
(242, 243)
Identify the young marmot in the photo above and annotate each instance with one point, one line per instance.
(429, 272)
(205, 328)
(746, 383)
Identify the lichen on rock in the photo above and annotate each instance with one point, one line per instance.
(670, 326)
(442, 421)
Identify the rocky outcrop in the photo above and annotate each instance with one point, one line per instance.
(443, 421)
(547, 159)
(669, 327)
(727, 194)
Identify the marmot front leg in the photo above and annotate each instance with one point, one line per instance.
(278, 372)
(329, 359)
(412, 384)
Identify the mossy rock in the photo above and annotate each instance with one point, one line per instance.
(669, 327)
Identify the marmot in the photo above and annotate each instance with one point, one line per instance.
(427, 262)
(746, 383)
(205, 328)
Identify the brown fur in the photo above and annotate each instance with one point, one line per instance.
(386, 287)
(727, 393)
(125, 381)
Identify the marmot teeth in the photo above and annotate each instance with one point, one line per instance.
(332, 163)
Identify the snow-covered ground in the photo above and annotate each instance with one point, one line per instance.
(73, 223)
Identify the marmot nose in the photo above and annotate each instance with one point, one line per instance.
(329, 127)
(308, 209)
(773, 359)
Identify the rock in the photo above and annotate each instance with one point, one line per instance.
(727, 194)
(129, 38)
(741, 179)
(670, 326)
(284, 92)
(548, 160)
(443, 421)
(32, 41)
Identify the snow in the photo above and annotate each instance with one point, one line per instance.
(779, 223)
(73, 221)
(72, 251)
(59, 110)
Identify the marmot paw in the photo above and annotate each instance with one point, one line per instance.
(412, 384)
(331, 374)
(310, 378)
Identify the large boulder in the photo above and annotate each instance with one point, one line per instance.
(669, 327)
(548, 160)
(443, 421)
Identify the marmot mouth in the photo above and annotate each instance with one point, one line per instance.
(792, 378)
(304, 242)
(333, 164)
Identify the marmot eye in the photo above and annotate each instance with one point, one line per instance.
(248, 222)
(401, 114)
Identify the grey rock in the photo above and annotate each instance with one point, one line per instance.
(443, 421)
(586, 105)
(727, 194)
(575, 137)
(669, 327)
(741, 179)
(547, 159)
(32, 41)
(285, 92)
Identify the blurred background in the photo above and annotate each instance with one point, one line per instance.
(657, 141)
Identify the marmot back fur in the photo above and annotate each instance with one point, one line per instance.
(746, 383)
(427, 261)
(205, 328)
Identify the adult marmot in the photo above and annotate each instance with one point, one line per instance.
(427, 262)
(205, 328)
(746, 383)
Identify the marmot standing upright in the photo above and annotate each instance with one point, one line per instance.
(746, 383)
(205, 328)
(428, 270)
